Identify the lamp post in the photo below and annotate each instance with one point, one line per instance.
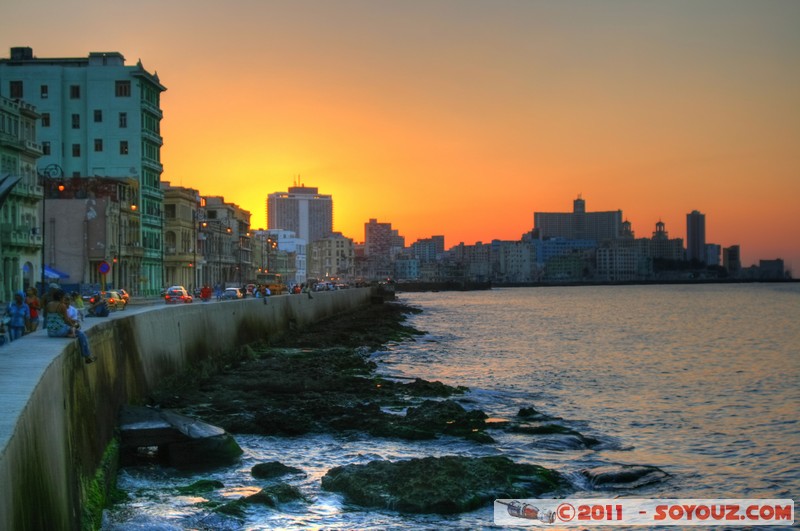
(51, 171)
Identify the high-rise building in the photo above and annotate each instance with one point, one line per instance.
(381, 240)
(696, 236)
(303, 211)
(98, 118)
(579, 224)
(732, 259)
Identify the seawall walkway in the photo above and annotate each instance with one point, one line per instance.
(58, 415)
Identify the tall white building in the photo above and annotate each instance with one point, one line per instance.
(99, 118)
(303, 211)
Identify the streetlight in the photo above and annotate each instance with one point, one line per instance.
(51, 171)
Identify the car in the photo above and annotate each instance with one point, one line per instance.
(113, 299)
(125, 296)
(177, 294)
(232, 293)
(119, 301)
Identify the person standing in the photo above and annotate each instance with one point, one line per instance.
(19, 315)
(34, 305)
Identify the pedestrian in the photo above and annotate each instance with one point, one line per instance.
(34, 305)
(19, 314)
(59, 324)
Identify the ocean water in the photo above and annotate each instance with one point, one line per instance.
(702, 381)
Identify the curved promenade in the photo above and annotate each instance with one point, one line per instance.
(58, 415)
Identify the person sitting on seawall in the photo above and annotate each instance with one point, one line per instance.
(19, 314)
(77, 303)
(59, 324)
(72, 311)
(99, 308)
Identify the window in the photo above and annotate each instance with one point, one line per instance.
(122, 89)
(76, 150)
(123, 120)
(45, 119)
(75, 92)
(98, 116)
(45, 148)
(98, 144)
(76, 121)
(15, 88)
(43, 92)
(123, 147)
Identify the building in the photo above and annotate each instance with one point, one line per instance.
(382, 244)
(224, 240)
(578, 224)
(21, 264)
(428, 249)
(332, 258)
(661, 247)
(512, 261)
(381, 240)
(732, 260)
(91, 233)
(303, 211)
(282, 252)
(183, 264)
(771, 269)
(98, 118)
(696, 237)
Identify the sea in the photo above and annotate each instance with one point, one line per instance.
(702, 381)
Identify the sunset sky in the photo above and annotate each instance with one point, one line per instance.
(462, 117)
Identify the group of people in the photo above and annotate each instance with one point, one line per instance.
(62, 313)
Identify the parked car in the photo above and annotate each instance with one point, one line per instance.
(232, 293)
(177, 294)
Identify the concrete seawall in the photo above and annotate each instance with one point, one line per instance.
(57, 415)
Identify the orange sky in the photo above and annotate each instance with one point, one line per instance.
(463, 117)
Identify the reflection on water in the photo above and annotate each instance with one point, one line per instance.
(698, 380)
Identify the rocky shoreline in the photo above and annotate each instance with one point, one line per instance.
(321, 380)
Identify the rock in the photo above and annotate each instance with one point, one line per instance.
(623, 476)
(529, 413)
(445, 417)
(273, 469)
(420, 387)
(274, 495)
(204, 453)
(443, 485)
(201, 486)
(571, 438)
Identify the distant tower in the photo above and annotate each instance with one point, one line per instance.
(696, 236)
(303, 211)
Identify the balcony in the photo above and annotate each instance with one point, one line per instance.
(30, 191)
(19, 237)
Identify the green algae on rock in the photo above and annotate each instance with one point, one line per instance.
(444, 485)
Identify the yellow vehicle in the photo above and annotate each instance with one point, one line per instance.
(273, 281)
